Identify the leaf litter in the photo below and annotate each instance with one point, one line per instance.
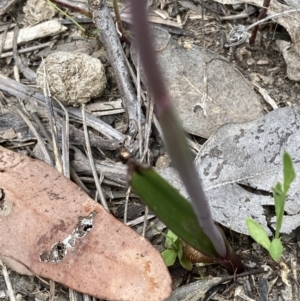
(61, 234)
(240, 163)
(230, 98)
(282, 96)
(290, 50)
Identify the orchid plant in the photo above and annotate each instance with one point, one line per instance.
(191, 221)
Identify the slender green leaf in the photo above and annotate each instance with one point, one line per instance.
(289, 174)
(258, 233)
(171, 240)
(280, 191)
(169, 257)
(171, 207)
(276, 249)
(186, 263)
(279, 199)
(179, 249)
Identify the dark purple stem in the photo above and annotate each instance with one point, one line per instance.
(260, 17)
(147, 55)
(173, 134)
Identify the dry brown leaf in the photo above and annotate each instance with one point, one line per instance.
(44, 211)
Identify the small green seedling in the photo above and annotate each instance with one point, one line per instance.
(174, 250)
(256, 231)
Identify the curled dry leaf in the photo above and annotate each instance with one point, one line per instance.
(60, 233)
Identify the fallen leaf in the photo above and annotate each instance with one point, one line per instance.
(195, 290)
(251, 155)
(230, 99)
(61, 234)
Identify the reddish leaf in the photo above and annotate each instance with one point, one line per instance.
(42, 208)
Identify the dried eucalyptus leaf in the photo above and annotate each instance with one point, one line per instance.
(57, 231)
(241, 163)
(229, 100)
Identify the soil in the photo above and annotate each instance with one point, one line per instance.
(261, 63)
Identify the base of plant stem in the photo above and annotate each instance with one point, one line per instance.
(233, 264)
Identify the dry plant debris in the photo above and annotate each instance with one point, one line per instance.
(37, 11)
(290, 51)
(263, 65)
(74, 78)
(27, 34)
(249, 154)
(230, 99)
(60, 233)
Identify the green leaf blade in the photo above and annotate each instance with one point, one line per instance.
(186, 263)
(171, 207)
(258, 233)
(276, 249)
(289, 173)
(279, 199)
(169, 257)
(171, 240)
(280, 190)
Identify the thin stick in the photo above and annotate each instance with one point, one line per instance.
(27, 72)
(145, 221)
(38, 137)
(126, 204)
(65, 142)
(41, 127)
(72, 295)
(260, 17)
(91, 159)
(139, 113)
(26, 266)
(149, 118)
(28, 49)
(50, 111)
(119, 22)
(4, 36)
(52, 290)
(110, 39)
(139, 220)
(78, 181)
(202, 104)
(7, 282)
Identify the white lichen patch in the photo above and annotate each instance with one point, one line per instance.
(59, 250)
(73, 78)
